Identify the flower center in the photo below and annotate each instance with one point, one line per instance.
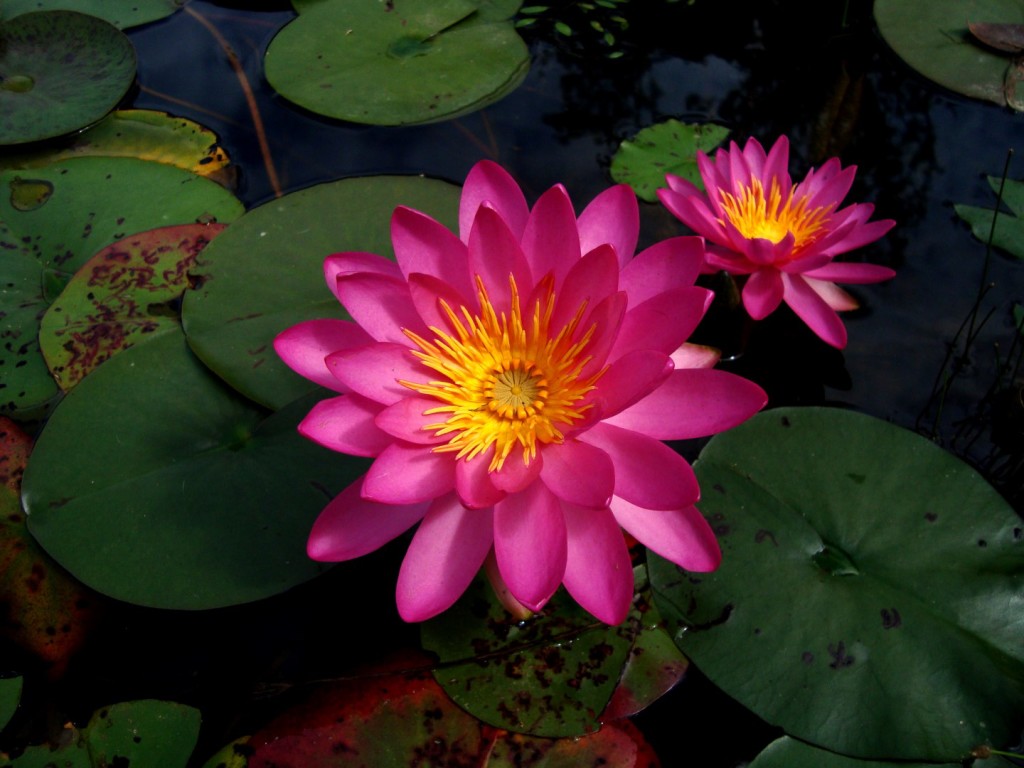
(509, 380)
(771, 217)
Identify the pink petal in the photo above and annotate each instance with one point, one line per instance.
(694, 212)
(381, 305)
(444, 555)
(551, 242)
(851, 272)
(606, 318)
(423, 246)
(351, 526)
(598, 571)
(494, 254)
(406, 474)
(813, 310)
(631, 377)
(776, 166)
(672, 263)
(305, 347)
(513, 606)
(530, 544)
(680, 535)
(832, 294)
(407, 420)
(693, 402)
(488, 182)
(375, 370)
(346, 424)
(350, 262)
(696, 356)
(592, 279)
(762, 293)
(579, 474)
(861, 235)
(473, 481)
(514, 475)
(647, 472)
(831, 186)
(663, 322)
(612, 217)
(427, 294)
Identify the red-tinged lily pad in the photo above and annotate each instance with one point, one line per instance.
(933, 37)
(10, 695)
(59, 71)
(123, 295)
(395, 63)
(787, 752)
(870, 599)
(265, 273)
(15, 447)
(181, 493)
(1008, 233)
(1002, 37)
(52, 220)
(121, 13)
(668, 147)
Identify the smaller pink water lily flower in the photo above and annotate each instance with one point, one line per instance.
(782, 236)
(514, 384)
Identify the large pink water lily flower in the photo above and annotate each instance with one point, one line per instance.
(782, 236)
(513, 385)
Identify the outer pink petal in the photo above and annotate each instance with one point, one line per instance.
(407, 420)
(694, 212)
(693, 403)
(647, 472)
(513, 606)
(592, 279)
(860, 235)
(345, 424)
(424, 246)
(776, 166)
(579, 474)
(696, 356)
(612, 217)
(444, 555)
(551, 242)
(598, 571)
(375, 370)
(672, 263)
(664, 322)
(762, 293)
(530, 544)
(630, 378)
(488, 182)
(680, 535)
(494, 254)
(305, 347)
(813, 310)
(833, 295)
(350, 262)
(380, 304)
(473, 481)
(851, 272)
(350, 526)
(427, 293)
(406, 474)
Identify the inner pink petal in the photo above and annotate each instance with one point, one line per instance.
(380, 304)
(404, 473)
(375, 370)
(762, 293)
(551, 242)
(473, 481)
(349, 262)
(407, 420)
(425, 246)
(579, 474)
(612, 217)
(530, 544)
(494, 255)
(672, 263)
(488, 182)
(592, 278)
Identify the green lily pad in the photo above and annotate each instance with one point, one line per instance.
(10, 695)
(933, 37)
(668, 147)
(122, 296)
(53, 219)
(121, 13)
(395, 63)
(180, 494)
(265, 273)
(871, 591)
(1009, 227)
(790, 753)
(487, 10)
(147, 732)
(59, 71)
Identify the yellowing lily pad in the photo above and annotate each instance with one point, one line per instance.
(395, 63)
(59, 71)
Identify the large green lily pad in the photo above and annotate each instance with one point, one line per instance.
(787, 752)
(1009, 226)
(59, 71)
(146, 732)
(53, 219)
(395, 63)
(265, 273)
(933, 37)
(121, 13)
(871, 595)
(156, 484)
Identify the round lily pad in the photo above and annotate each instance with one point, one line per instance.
(59, 71)
(395, 63)
(787, 752)
(121, 13)
(265, 273)
(871, 595)
(181, 494)
(933, 37)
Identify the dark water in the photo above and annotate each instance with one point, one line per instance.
(816, 71)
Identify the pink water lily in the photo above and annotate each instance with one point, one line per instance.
(513, 385)
(781, 236)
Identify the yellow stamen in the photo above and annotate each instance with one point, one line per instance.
(772, 217)
(508, 380)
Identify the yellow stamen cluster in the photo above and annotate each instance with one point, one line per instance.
(508, 380)
(771, 217)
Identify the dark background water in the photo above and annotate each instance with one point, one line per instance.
(816, 71)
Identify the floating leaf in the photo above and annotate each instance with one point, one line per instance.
(121, 13)
(121, 296)
(140, 133)
(395, 63)
(265, 273)
(91, 202)
(70, 751)
(871, 595)
(59, 71)
(147, 732)
(932, 36)
(10, 695)
(181, 494)
(15, 447)
(669, 147)
(790, 753)
(1009, 227)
